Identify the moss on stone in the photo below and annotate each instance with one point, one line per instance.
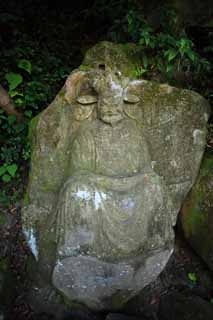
(32, 128)
(84, 68)
(207, 167)
(26, 199)
(122, 57)
(197, 213)
(194, 217)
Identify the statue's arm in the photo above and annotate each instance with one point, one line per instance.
(82, 153)
(145, 161)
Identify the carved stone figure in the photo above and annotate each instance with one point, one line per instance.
(113, 160)
(110, 201)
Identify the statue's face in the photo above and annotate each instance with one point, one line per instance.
(110, 110)
(110, 100)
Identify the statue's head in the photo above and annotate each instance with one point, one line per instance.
(110, 108)
(103, 93)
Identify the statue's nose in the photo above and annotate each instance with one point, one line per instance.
(110, 108)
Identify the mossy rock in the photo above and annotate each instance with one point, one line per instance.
(197, 213)
(122, 57)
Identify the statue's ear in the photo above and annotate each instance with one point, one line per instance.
(131, 107)
(85, 106)
(81, 112)
(74, 84)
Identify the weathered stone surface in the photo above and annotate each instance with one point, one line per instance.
(113, 159)
(197, 213)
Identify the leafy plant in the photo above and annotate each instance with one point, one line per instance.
(32, 77)
(8, 171)
(14, 80)
(192, 277)
(165, 50)
(25, 65)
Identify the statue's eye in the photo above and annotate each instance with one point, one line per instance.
(131, 98)
(87, 99)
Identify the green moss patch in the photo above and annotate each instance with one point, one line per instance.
(197, 213)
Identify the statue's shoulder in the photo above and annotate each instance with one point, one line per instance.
(133, 127)
(87, 130)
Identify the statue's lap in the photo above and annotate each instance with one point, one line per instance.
(107, 216)
(103, 223)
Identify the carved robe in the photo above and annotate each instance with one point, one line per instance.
(108, 204)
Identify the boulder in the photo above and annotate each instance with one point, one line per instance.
(197, 213)
(113, 158)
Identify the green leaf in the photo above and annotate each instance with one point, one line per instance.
(28, 113)
(15, 93)
(145, 61)
(19, 101)
(191, 55)
(184, 46)
(192, 277)
(3, 169)
(170, 54)
(12, 169)
(11, 119)
(13, 79)
(25, 64)
(139, 71)
(6, 178)
(169, 68)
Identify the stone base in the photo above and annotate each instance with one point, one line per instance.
(106, 286)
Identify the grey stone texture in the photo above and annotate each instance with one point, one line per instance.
(113, 159)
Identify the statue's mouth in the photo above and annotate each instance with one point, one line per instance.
(111, 117)
(111, 114)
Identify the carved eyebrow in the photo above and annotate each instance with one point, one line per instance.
(131, 98)
(87, 99)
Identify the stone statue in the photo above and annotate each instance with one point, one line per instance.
(107, 181)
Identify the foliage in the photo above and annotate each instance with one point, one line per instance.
(166, 49)
(8, 171)
(32, 77)
(192, 277)
(13, 79)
